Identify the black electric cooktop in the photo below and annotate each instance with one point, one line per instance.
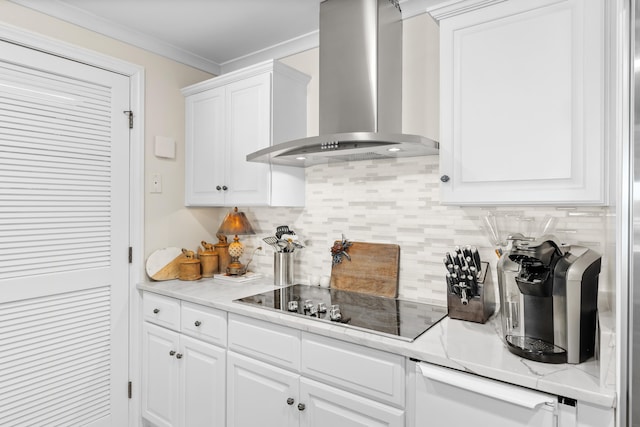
(395, 318)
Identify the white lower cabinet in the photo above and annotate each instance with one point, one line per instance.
(330, 406)
(267, 391)
(183, 378)
(260, 394)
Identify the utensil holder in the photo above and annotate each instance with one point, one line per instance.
(283, 268)
(479, 308)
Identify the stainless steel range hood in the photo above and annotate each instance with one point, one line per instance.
(360, 90)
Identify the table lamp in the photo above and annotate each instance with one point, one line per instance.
(235, 223)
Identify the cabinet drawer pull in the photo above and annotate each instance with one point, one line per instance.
(225, 188)
(198, 323)
(290, 401)
(444, 178)
(218, 188)
(156, 310)
(301, 406)
(172, 352)
(179, 356)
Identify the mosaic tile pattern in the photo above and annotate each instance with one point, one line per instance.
(397, 201)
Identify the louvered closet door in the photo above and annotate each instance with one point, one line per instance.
(64, 191)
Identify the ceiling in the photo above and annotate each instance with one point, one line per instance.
(213, 35)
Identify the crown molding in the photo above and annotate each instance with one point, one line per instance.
(278, 51)
(442, 9)
(81, 18)
(108, 28)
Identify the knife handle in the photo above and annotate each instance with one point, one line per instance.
(476, 258)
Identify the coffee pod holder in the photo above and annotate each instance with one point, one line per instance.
(477, 308)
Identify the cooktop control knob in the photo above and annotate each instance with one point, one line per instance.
(292, 306)
(322, 307)
(313, 310)
(334, 314)
(307, 305)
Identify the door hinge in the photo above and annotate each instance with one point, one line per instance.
(129, 389)
(130, 114)
(130, 254)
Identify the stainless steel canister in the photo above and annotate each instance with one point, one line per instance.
(283, 268)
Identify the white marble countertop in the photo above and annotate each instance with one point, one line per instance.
(465, 346)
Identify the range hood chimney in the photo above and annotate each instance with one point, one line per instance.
(360, 90)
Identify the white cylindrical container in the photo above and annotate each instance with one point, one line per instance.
(283, 268)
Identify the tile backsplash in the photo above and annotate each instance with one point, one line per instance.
(397, 201)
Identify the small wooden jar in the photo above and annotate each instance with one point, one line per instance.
(222, 248)
(208, 259)
(189, 267)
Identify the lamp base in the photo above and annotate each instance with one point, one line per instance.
(236, 269)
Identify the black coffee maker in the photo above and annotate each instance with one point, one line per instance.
(548, 299)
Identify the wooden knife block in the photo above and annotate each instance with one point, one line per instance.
(481, 307)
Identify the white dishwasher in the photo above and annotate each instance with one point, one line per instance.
(446, 397)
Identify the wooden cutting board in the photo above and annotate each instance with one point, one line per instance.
(164, 264)
(373, 269)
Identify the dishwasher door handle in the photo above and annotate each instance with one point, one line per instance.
(513, 394)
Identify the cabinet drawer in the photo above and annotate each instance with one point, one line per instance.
(161, 310)
(274, 344)
(362, 370)
(205, 323)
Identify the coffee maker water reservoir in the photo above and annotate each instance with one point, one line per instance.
(548, 300)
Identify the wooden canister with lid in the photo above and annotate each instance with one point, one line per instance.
(189, 267)
(208, 259)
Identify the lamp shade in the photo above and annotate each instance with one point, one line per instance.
(235, 223)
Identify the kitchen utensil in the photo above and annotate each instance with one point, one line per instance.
(283, 229)
(373, 269)
(273, 242)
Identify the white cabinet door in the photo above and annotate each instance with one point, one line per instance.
(248, 129)
(183, 380)
(160, 375)
(259, 394)
(522, 104)
(329, 406)
(205, 148)
(202, 382)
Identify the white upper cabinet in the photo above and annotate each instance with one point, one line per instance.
(230, 116)
(523, 106)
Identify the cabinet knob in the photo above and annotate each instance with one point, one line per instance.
(172, 352)
(218, 188)
(156, 310)
(301, 406)
(197, 323)
(225, 188)
(444, 178)
(290, 401)
(179, 356)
